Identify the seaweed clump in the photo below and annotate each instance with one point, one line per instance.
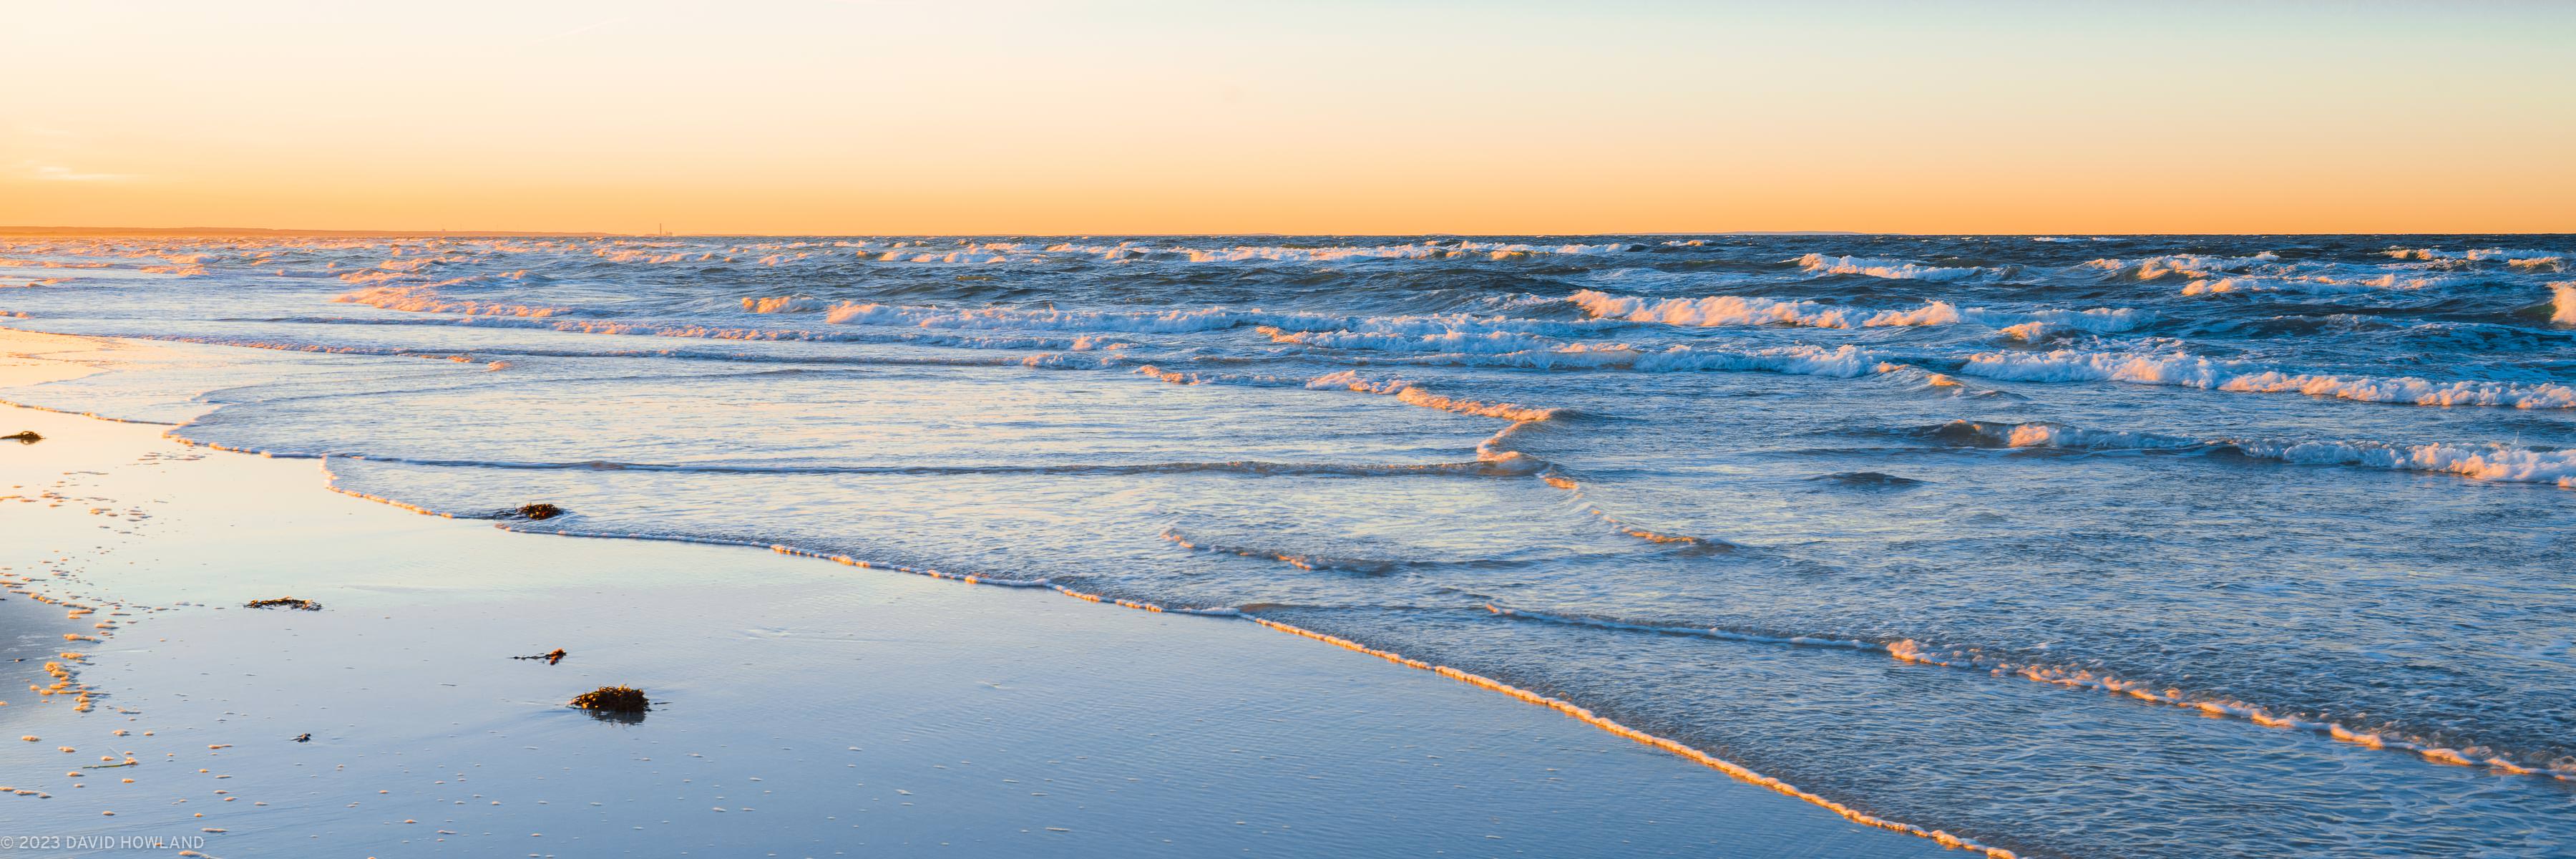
(612, 699)
(539, 510)
(23, 437)
(550, 658)
(285, 602)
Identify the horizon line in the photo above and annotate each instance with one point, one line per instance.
(85, 231)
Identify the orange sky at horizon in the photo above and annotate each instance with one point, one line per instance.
(1347, 118)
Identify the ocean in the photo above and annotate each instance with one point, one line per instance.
(2064, 545)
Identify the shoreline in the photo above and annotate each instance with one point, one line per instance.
(662, 587)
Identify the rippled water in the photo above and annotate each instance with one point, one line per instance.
(2075, 546)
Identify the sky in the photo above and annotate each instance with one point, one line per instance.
(968, 117)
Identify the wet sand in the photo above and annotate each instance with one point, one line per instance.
(801, 708)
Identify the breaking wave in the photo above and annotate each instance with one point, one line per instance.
(2492, 462)
(2177, 369)
(2183, 265)
(424, 298)
(1720, 310)
(1889, 269)
(1405, 392)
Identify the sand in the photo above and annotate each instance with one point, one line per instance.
(801, 708)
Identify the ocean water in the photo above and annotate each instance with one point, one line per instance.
(2067, 546)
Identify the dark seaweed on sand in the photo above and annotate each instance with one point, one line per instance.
(538, 510)
(285, 602)
(614, 699)
(23, 437)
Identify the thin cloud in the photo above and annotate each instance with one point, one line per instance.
(58, 173)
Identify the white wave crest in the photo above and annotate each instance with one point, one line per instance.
(2067, 365)
(1719, 310)
(1844, 362)
(2099, 320)
(1163, 322)
(1885, 268)
(2492, 462)
(1405, 392)
(1711, 311)
(1448, 341)
(1197, 320)
(2186, 265)
(424, 298)
(2563, 303)
(2473, 255)
(783, 304)
(2310, 284)
(1194, 377)
(1841, 362)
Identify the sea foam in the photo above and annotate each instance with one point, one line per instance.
(1717, 310)
(2491, 462)
(2183, 370)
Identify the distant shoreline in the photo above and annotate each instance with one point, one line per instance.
(267, 231)
(262, 232)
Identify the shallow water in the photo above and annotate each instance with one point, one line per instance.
(2134, 546)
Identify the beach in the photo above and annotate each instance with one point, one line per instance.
(1362, 429)
(801, 708)
(2042, 546)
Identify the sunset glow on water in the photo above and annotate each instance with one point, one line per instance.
(1945, 530)
(1372, 428)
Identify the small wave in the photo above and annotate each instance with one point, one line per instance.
(1194, 377)
(2263, 272)
(1717, 310)
(1407, 393)
(424, 298)
(2563, 303)
(1155, 322)
(1712, 311)
(10, 262)
(1988, 661)
(1802, 360)
(1721, 633)
(687, 330)
(2312, 284)
(2490, 462)
(2509, 256)
(1256, 468)
(2186, 265)
(677, 354)
(2099, 320)
(2176, 369)
(1340, 331)
(1588, 717)
(1867, 480)
(1846, 362)
(1304, 560)
(1686, 543)
(784, 304)
(1888, 269)
(1449, 341)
